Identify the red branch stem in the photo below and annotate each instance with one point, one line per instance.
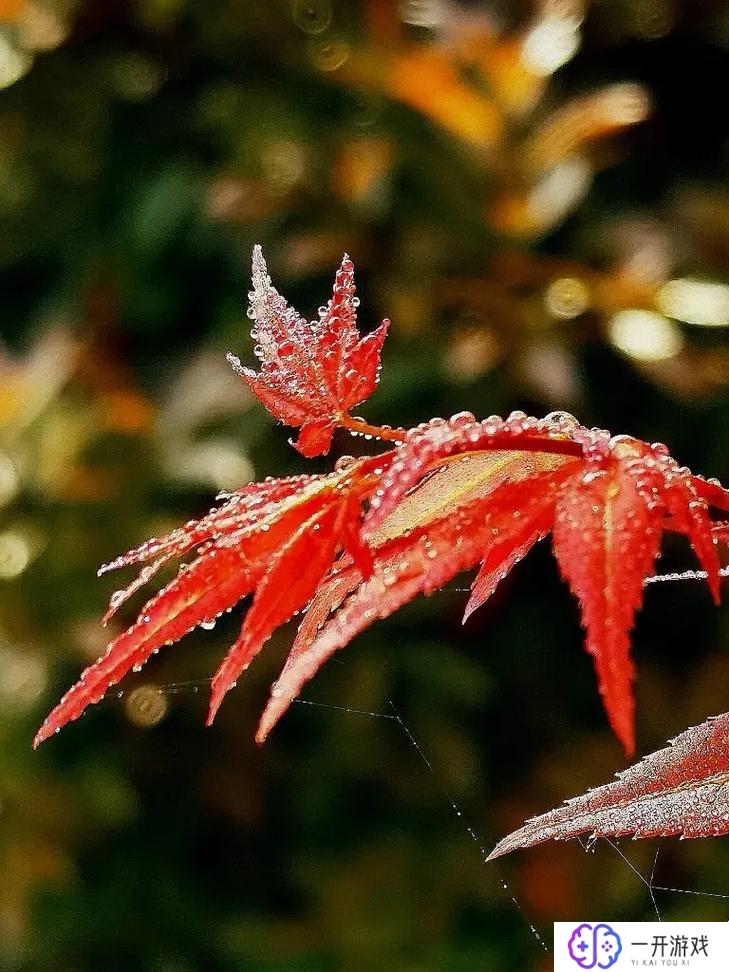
(527, 443)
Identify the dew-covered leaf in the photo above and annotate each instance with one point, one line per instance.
(247, 506)
(682, 790)
(454, 494)
(538, 444)
(216, 581)
(240, 509)
(312, 372)
(227, 568)
(712, 491)
(691, 517)
(606, 540)
(451, 482)
(287, 584)
(417, 562)
(501, 557)
(344, 578)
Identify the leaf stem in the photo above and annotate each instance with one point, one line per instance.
(384, 432)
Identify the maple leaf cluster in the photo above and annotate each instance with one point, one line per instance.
(353, 545)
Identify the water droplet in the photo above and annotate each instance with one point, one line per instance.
(564, 419)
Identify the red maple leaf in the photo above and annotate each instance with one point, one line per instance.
(360, 542)
(312, 372)
(608, 522)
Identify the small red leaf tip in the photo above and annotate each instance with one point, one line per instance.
(497, 564)
(315, 438)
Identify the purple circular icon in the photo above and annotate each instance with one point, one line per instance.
(595, 946)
